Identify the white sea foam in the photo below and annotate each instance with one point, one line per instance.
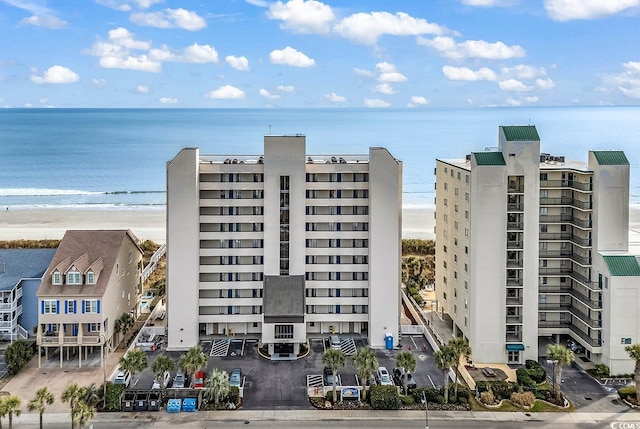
(42, 192)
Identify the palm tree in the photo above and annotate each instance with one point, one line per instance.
(192, 361)
(560, 355)
(366, 363)
(634, 353)
(134, 361)
(444, 358)
(217, 386)
(11, 406)
(334, 359)
(126, 323)
(461, 348)
(117, 328)
(73, 395)
(43, 398)
(161, 364)
(84, 413)
(91, 395)
(407, 361)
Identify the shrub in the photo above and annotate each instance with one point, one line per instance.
(503, 389)
(602, 370)
(625, 392)
(525, 399)
(487, 397)
(384, 397)
(440, 399)
(538, 374)
(482, 386)
(531, 364)
(330, 395)
(430, 392)
(17, 355)
(525, 380)
(112, 400)
(462, 400)
(234, 395)
(407, 400)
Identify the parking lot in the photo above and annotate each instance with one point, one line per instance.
(283, 384)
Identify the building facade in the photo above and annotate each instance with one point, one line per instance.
(94, 278)
(521, 244)
(283, 245)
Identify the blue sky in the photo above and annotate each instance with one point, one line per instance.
(332, 53)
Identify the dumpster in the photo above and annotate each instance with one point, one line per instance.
(127, 402)
(388, 341)
(174, 405)
(189, 404)
(142, 401)
(155, 401)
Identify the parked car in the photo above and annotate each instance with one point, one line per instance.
(123, 377)
(179, 380)
(335, 342)
(384, 377)
(235, 378)
(198, 381)
(328, 377)
(164, 381)
(398, 377)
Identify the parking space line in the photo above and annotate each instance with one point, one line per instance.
(432, 383)
(414, 342)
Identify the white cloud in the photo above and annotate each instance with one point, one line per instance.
(389, 73)
(488, 3)
(56, 75)
(142, 89)
(286, 88)
(267, 94)
(302, 16)
(567, 10)
(291, 57)
(366, 28)
(335, 98)
(449, 48)
(99, 82)
(531, 100)
(259, 3)
(238, 63)
(513, 102)
(124, 6)
(363, 72)
(170, 18)
(139, 62)
(226, 92)
(513, 85)
(51, 22)
(385, 88)
(42, 15)
(628, 81)
(196, 54)
(168, 100)
(464, 73)
(123, 37)
(545, 83)
(375, 102)
(522, 71)
(417, 101)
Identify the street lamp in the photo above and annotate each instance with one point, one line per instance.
(426, 410)
(553, 362)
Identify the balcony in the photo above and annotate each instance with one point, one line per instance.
(585, 205)
(515, 226)
(515, 207)
(594, 342)
(584, 242)
(554, 306)
(554, 323)
(584, 318)
(514, 245)
(562, 201)
(561, 288)
(513, 281)
(549, 254)
(514, 263)
(560, 271)
(545, 236)
(514, 300)
(514, 337)
(514, 319)
(594, 304)
(580, 186)
(585, 281)
(564, 218)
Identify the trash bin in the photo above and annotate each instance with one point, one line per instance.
(155, 400)
(388, 341)
(141, 402)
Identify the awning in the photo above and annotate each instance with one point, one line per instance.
(515, 347)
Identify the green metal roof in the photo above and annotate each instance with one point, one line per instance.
(489, 158)
(611, 157)
(622, 265)
(521, 133)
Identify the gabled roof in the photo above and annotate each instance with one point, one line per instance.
(610, 157)
(623, 265)
(80, 264)
(96, 267)
(17, 264)
(489, 158)
(95, 245)
(514, 133)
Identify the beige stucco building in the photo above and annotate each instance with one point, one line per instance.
(531, 245)
(283, 245)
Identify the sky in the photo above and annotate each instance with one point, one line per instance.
(317, 54)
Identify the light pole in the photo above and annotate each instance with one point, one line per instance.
(426, 410)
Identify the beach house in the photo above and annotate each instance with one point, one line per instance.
(94, 278)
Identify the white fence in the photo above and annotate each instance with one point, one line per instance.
(153, 262)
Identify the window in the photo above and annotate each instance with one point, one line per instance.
(49, 306)
(57, 278)
(466, 196)
(73, 278)
(130, 256)
(91, 306)
(93, 327)
(91, 278)
(446, 186)
(70, 306)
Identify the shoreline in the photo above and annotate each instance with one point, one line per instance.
(150, 223)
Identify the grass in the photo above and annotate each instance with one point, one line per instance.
(538, 407)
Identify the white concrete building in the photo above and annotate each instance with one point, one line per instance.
(528, 245)
(283, 245)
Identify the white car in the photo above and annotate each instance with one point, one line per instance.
(122, 377)
(164, 382)
(384, 377)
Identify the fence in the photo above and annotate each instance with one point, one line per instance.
(153, 262)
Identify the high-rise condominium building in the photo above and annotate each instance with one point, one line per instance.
(532, 245)
(283, 245)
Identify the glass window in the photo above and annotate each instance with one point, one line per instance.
(57, 278)
(91, 306)
(91, 278)
(73, 278)
(49, 306)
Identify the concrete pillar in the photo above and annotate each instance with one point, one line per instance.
(270, 348)
(296, 348)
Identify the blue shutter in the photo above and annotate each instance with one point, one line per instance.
(74, 307)
(66, 306)
(42, 307)
(83, 306)
(98, 306)
(57, 307)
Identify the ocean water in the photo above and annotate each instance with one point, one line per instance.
(104, 158)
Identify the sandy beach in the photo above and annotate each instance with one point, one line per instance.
(41, 223)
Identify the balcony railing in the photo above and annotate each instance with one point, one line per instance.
(566, 184)
(561, 288)
(562, 201)
(563, 218)
(515, 207)
(514, 263)
(86, 340)
(517, 300)
(548, 254)
(595, 304)
(585, 281)
(591, 341)
(583, 317)
(514, 244)
(554, 306)
(560, 271)
(517, 337)
(554, 323)
(555, 236)
(515, 226)
(514, 319)
(512, 281)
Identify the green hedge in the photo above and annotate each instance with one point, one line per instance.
(114, 392)
(625, 392)
(384, 397)
(500, 389)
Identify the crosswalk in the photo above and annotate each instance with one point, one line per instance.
(220, 348)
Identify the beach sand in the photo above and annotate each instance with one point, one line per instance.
(42, 223)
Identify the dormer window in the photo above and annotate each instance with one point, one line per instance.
(91, 278)
(73, 278)
(57, 278)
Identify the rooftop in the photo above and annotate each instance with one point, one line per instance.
(622, 265)
(610, 157)
(17, 264)
(489, 158)
(520, 133)
(259, 159)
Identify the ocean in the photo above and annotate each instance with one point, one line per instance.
(102, 158)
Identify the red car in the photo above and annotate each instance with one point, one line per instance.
(198, 380)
